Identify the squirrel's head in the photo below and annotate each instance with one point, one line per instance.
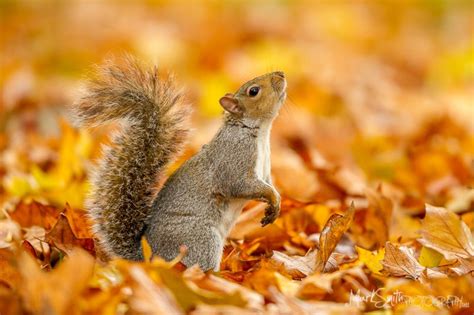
(257, 99)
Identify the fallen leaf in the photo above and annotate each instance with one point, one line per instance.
(401, 262)
(332, 232)
(55, 291)
(79, 222)
(372, 225)
(35, 213)
(290, 305)
(429, 257)
(371, 260)
(295, 266)
(463, 266)
(188, 295)
(62, 236)
(150, 298)
(443, 231)
(212, 283)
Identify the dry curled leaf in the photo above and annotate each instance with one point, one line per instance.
(400, 261)
(332, 232)
(62, 236)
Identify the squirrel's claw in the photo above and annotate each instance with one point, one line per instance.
(271, 214)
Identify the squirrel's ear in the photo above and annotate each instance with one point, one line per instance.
(230, 104)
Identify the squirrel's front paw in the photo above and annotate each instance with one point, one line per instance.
(271, 213)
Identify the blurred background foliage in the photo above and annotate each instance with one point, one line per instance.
(384, 88)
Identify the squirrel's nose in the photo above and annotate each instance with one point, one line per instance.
(281, 74)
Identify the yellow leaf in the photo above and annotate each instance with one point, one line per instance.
(18, 185)
(44, 180)
(371, 260)
(287, 286)
(429, 257)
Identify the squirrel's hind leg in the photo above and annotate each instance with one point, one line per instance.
(205, 249)
(204, 245)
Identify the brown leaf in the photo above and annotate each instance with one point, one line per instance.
(35, 213)
(332, 232)
(443, 231)
(295, 266)
(372, 226)
(79, 222)
(463, 266)
(64, 238)
(401, 262)
(301, 266)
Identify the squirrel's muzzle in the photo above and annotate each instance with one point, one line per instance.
(278, 82)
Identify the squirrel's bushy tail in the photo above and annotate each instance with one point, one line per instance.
(153, 132)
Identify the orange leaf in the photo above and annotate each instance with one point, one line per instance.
(331, 234)
(64, 238)
(401, 262)
(35, 213)
(445, 232)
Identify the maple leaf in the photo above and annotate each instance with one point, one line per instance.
(332, 232)
(443, 231)
(35, 213)
(62, 236)
(371, 260)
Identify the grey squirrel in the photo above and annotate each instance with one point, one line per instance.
(201, 200)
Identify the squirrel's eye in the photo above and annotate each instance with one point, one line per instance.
(253, 91)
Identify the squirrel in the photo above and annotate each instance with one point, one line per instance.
(200, 202)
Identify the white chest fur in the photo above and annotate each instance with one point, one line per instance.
(262, 165)
(230, 216)
(262, 171)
